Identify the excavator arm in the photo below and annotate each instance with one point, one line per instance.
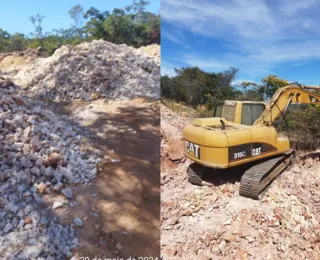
(283, 98)
(257, 178)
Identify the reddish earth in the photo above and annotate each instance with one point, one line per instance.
(121, 207)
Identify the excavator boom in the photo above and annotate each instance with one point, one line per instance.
(283, 98)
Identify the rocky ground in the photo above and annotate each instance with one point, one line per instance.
(92, 70)
(40, 154)
(214, 222)
(76, 177)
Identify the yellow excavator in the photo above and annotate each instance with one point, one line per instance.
(220, 144)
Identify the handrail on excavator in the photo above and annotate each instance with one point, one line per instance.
(303, 86)
(311, 87)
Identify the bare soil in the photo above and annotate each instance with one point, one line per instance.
(121, 207)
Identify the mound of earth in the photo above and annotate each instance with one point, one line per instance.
(92, 70)
(39, 155)
(152, 50)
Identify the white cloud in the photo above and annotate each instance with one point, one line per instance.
(261, 35)
(205, 63)
(239, 17)
(290, 8)
(176, 37)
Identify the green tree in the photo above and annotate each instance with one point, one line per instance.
(166, 87)
(36, 20)
(146, 24)
(251, 91)
(94, 27)
(76, 13)
(4, 40)
(224, 82)
(193, 81)
(271, 84)
(119, 27)
(137, 8)
(197, 87)
(17, 42)
(151, 28)
(219, 87)
(132, 25)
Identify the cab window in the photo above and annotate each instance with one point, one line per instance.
(218, 110)
(251, 112)
(229, 112)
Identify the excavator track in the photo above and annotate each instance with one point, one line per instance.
(256, 180)
(195, 173)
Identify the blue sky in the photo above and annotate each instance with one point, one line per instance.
(259, 37)
(15, 13)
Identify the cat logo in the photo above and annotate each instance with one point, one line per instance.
(256, 151)
(193, 149)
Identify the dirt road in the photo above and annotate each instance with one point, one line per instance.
(121, 206)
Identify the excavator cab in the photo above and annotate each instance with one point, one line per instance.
(241, 112)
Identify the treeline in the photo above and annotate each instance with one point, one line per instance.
(194, 87)
(132, 25)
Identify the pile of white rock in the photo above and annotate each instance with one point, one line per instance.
(39, 154)
(88, 71)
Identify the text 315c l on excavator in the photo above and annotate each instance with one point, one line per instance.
(220, 144)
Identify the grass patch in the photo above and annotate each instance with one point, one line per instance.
(183, 109)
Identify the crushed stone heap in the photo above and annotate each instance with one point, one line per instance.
(92, 70)
(39, 154)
